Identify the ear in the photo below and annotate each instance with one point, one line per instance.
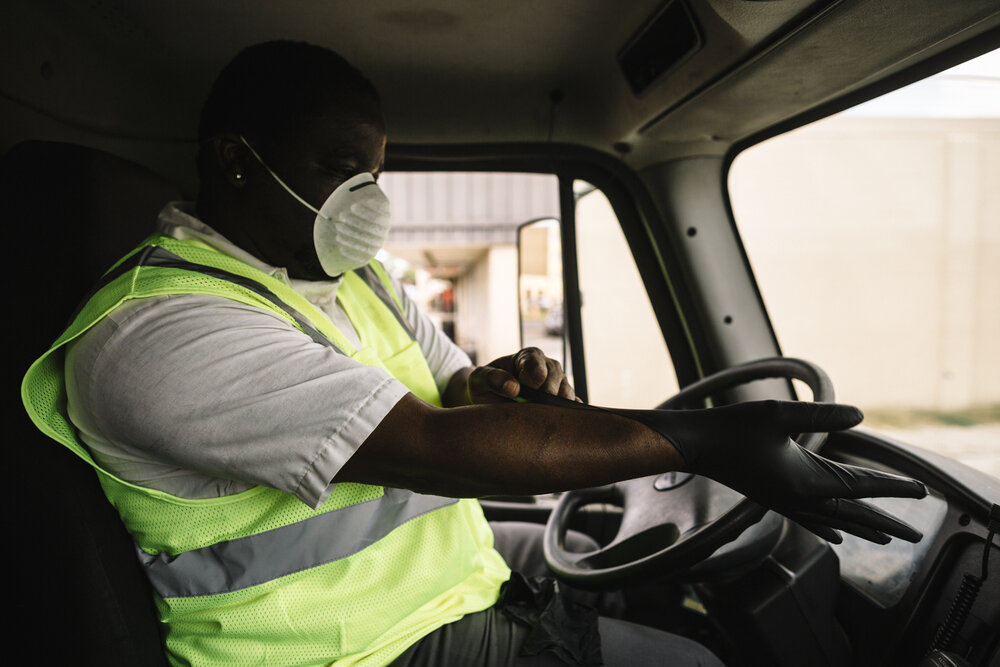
(232, 158)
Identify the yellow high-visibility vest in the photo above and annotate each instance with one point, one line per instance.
(258, 577)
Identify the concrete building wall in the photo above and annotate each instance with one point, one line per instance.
(460, 199)
(876, 244)
(486, 319)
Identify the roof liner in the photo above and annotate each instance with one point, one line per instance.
(454, 72)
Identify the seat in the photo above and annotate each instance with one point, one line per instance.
(80, 594)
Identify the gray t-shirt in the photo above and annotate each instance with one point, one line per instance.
(202, 396)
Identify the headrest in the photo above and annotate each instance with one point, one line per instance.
(71, 212)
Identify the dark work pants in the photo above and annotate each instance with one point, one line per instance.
(489, 638)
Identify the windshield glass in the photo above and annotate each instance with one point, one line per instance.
(874, 236)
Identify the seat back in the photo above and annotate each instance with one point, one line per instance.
(79, 589)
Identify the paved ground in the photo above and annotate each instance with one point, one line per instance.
(976, 446)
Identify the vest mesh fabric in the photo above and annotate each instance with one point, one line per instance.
(380, 607)
(362, 609)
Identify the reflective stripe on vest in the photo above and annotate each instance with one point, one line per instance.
(374, 282)
(321, 539)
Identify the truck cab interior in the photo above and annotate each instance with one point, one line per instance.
(648, 102)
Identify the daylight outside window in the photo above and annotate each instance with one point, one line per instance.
(874, 236)
(453, 246)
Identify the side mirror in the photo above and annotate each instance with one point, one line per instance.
(540, 288)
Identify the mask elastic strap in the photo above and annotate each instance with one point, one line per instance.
(280, 182)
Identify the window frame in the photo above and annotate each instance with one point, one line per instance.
(654, 252)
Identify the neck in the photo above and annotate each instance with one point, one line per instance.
(223, 217)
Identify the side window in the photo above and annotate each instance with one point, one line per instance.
(453, 246)
(626, 358)
(480, 255)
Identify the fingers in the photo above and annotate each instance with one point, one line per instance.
(507, 376)
(828, 524)
(832, 479)
(803, 417)
(867, 515)
(566, 391)
(532, 368)
(828, 534)
(870, 483)
(488, 384)
(857, 518)
(537, 396)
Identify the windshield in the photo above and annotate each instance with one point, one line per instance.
(874, 236)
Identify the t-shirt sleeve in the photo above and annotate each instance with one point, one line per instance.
(200, 396)
(444, 357)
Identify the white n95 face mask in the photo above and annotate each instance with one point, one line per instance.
(352, 224)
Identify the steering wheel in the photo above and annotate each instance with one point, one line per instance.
(680, 523)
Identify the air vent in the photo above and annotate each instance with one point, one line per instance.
(663, 43)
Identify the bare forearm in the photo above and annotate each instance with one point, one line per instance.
(488, 449)
(505, 448)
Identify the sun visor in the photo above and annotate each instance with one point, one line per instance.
(662, 44)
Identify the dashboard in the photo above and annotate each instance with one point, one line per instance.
(855, 603)
(895, 598)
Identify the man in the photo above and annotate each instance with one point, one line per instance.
(285, 436)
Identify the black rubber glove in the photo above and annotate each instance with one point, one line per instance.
(748, 447)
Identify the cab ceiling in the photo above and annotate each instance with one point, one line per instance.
(453, 71)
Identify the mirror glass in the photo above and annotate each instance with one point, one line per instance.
(540, 288)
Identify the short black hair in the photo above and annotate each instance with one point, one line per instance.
(269, 87)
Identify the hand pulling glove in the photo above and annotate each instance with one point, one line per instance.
(748, 447)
